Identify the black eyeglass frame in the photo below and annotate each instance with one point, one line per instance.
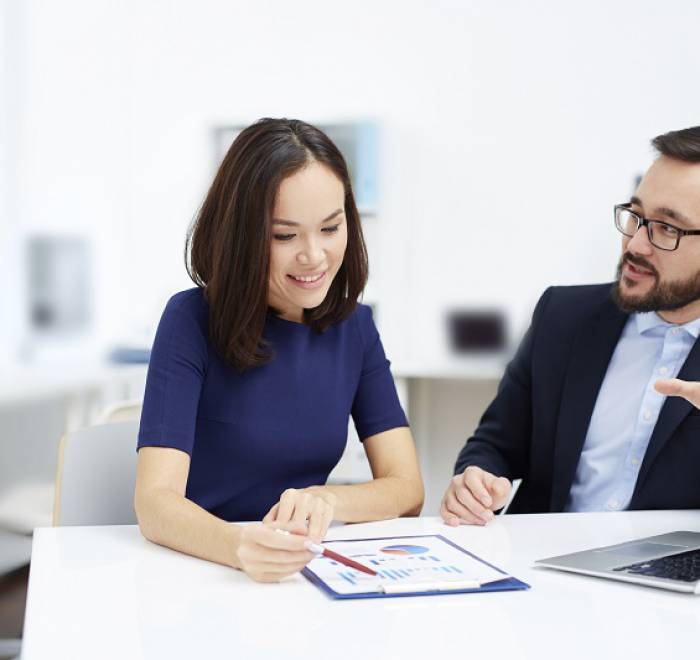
(645, 222)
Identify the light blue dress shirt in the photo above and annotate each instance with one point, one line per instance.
(626, 411)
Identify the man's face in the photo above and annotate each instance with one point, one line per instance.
(651, 279)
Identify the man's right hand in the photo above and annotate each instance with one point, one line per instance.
(473, 496)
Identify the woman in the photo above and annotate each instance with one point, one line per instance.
(254, 373)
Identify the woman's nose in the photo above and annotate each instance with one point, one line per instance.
(311, 253)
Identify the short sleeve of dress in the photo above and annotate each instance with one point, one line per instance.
(376, 406)
(175, 374)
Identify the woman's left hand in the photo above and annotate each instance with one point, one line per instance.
(310, 508)
(675, 387)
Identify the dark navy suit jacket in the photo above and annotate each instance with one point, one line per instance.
(536, 426)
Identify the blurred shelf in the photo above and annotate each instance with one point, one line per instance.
(457, 367)
(26, 383)
(22, 384)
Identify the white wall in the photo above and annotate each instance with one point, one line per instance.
(12, 326)
(509, 131)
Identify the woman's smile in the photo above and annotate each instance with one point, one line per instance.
(309, 281)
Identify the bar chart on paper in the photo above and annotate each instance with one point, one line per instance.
(416, 560)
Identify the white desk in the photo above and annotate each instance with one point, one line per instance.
(105, 592)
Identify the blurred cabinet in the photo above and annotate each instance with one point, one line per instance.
(38, 405)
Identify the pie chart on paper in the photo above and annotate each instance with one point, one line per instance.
(404, 549)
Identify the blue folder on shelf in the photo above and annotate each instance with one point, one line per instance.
(422, 565)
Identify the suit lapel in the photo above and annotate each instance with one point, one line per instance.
(590, 355)
(672, 414)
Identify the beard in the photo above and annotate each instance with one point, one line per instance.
(663, 296)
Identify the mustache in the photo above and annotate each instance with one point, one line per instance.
(638, 261)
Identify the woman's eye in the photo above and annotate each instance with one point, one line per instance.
(284, 237)
(331, 230)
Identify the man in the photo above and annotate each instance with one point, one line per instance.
(582, 413)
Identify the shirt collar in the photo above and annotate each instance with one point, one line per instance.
(693, 328)
(647, 321)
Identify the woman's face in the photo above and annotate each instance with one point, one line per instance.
(309, 237)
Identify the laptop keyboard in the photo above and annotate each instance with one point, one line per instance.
(684, 567)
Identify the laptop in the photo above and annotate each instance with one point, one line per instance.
(668, 561)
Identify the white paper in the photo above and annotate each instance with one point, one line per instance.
(421, 560)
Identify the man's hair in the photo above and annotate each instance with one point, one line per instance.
(682, 145)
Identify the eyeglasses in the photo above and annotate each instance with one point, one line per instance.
(661, 234)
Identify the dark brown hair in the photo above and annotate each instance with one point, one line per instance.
(228, 245)
(683, 145)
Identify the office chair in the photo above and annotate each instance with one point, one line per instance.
(96, 476)
(121, 411)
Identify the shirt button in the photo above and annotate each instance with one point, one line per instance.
(635, 461)
(647, 415)
(663, 370)
(674, 331)
(614, 504)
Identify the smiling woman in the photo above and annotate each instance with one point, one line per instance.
(278, 176)
(255, 372)
(306, 253)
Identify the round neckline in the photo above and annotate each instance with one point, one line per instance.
(274, 317)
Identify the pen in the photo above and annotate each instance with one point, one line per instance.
(418, 587)
(341, 559)
(445, 585)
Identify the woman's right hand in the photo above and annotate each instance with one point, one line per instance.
(268, 555)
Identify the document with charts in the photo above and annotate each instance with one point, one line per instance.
(408, 565)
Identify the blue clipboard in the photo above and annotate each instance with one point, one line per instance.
(508, 583)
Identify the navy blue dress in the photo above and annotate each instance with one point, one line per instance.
(282, 425)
